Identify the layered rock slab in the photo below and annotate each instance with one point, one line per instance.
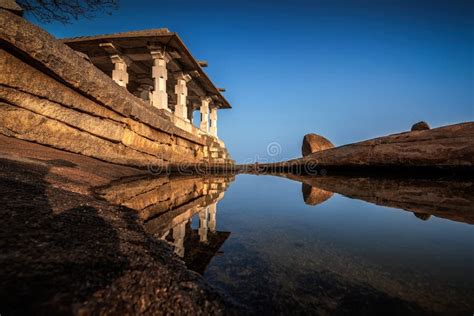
(444, 147)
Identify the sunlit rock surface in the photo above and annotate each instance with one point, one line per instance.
(313, 143)
(444, 147)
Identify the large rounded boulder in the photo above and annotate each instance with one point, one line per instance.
(313, 143)
(420, 126)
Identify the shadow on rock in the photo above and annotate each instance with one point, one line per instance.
(67, 253)
(51, 259)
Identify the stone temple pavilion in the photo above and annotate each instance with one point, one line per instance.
(157, 67)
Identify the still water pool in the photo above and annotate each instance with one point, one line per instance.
(345, 254)
(286, 244)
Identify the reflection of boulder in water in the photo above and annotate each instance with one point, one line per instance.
(422, 216)
(313, 195)
(451, 199)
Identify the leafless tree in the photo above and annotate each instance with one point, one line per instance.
(64, 11)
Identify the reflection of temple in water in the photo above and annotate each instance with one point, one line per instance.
(167, 206)
(197, 246)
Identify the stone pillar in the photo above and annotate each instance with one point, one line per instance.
(181, 91)
(213, 127)
(203, 225)
(119, 74)
(212, 217)
(159, 97)
(204, 109)
(179, 232)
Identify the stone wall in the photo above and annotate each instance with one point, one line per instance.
(52, 96)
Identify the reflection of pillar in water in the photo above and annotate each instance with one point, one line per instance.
(203, 215)
(179, 232)
(212, 217)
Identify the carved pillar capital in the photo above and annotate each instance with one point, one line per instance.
(160, 54)
(206, 99)
(119, 73)
(183, 76)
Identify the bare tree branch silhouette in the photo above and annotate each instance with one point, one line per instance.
(65, 11)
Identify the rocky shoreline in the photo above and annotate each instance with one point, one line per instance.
(443, 150)
(66, 252)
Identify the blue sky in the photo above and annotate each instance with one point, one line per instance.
(348, 70)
